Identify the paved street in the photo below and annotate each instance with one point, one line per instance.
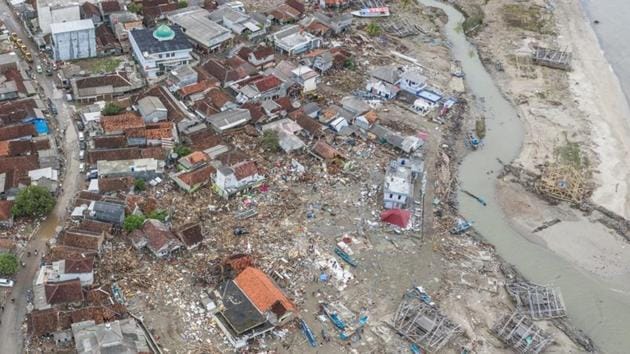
(13, 316)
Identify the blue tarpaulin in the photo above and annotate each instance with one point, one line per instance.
(41, 127)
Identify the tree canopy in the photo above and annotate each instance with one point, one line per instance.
(8, 264)
(111, 109)
(133, 222)
(33, 201)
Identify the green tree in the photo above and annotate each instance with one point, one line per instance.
(373, 29)
(111, 109)
(270, 141)
(182, 150)
(135, 8)
(133, 222)
(8, 264)
(349, 64)
(139, 185)
(182, 4)
(33, 201)
(158, 215)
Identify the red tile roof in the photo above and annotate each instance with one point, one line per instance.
(326, 151)
(121, 122)
(232, 157)
(158, 131)
(263, 52)
(200, 86)
(116, 80)
(64, 292)
(267, 83)
(79, 265)
(218, 98)
(17, 131)
(245, 169)
(110, 142)
(12, 112)
(261, 290)
(113, 154)
(190, 234)
(114, 184)
(157, 234)
(197, 176)
(5, 209)
(204, 139)
(110, 6)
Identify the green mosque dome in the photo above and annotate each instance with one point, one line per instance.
(163, 33)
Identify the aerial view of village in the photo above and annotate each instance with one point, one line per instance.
(312, 176)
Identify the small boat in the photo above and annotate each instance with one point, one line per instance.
(308, 333)
(372, 12)
(334, 318)
(461, 225)
(346, 257)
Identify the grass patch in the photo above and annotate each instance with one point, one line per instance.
(571, 154)
(100, 65)
(527, 17)
(474, 19)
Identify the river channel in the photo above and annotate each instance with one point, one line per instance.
(599, 306)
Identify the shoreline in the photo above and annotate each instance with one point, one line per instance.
(609, 112)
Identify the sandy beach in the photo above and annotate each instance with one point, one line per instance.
(599, 96)
(585, 106)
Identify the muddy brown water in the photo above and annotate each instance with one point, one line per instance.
(599, 306)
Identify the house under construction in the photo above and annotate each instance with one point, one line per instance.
(519, 332)
(563, 183)
(552, 58)
(422, 323)
(539, 302)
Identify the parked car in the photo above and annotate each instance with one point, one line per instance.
(80, 125)
(82, 155)
(81, 136)
(82, 145)
(39, 69)
(7, 283)
(82, 167)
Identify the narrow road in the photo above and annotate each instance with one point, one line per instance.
(11, 331)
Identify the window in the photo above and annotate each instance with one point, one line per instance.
(399, 197)
(391, 196)
(160, 56)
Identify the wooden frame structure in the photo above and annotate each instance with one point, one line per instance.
(557, 59)
(562, 182)
(519, 332)
(423, 323)
(539, 302)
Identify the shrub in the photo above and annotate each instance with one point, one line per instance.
(133, 222)
(139, 185)
(111, 109)
(373, 29)
(158, 215)
(182, 150)
(270, 141)
(182, 4)
(33, 201)
(8, 264)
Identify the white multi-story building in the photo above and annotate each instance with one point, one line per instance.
(161, 50)
(56, 11)
(73, 40)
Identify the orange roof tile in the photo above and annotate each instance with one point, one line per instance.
(121, 122)
(261, 290)
(194, 88)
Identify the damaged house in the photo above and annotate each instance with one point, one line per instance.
(251, 305)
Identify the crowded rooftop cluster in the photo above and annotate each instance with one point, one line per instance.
(200, 103)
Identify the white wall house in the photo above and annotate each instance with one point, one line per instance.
(73, 40)
(161, 50)
(230, 180)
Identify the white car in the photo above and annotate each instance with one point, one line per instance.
(7, 283)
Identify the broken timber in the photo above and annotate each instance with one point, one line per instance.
(422, 323)
(519, 332)
(552, 58)
(539, 302)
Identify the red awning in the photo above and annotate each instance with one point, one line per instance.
(398, 217)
